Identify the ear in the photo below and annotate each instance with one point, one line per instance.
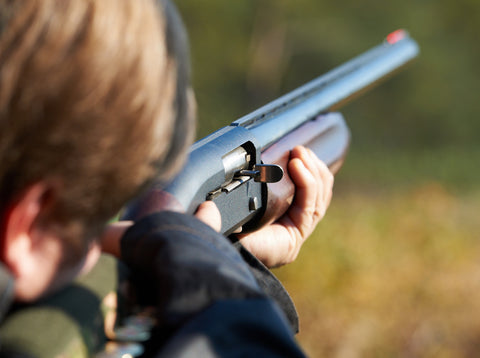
(31, 253)
(19, 229)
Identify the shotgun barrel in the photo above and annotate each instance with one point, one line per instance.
(331, 90)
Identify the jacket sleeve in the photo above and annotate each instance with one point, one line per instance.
(208, 302)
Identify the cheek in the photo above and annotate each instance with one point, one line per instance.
(37, 272)
(42, 273)
(65, 275)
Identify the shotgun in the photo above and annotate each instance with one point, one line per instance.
(239, 167)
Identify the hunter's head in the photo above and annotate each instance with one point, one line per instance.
(93, 104)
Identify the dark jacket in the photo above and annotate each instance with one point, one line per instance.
(211, 298)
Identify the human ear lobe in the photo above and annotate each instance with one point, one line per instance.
(31, 253)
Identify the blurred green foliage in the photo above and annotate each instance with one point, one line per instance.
(246, 53)
(391, 276)
(393, 270)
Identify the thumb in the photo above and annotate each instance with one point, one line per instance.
(210, 215)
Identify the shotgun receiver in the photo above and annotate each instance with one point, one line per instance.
(239, 167)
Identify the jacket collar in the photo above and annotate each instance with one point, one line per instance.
(6, 290)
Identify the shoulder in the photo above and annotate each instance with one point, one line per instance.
(68, 323)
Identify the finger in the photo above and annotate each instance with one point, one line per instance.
(304, 172)
(308, 157)
(111, 236)
(210, 215)
(315, 164)
(326, 176)
(302, 210)
(316, 190)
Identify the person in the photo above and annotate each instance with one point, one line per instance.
(95, 103)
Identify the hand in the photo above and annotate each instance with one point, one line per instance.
(110, 238)
(210, 215)
(279, 243)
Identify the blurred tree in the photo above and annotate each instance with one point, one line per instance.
(246, 53)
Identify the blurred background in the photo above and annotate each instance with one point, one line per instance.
(394, 268)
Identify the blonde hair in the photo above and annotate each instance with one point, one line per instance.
(89, 102)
